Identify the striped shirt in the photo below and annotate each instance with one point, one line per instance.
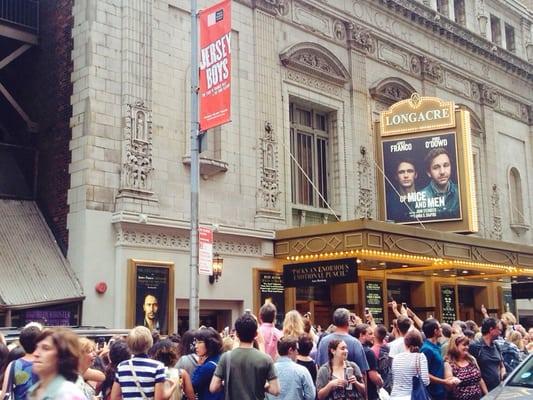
(148, 371)
(404, 366)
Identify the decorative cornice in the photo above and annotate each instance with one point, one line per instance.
(158, 222)
(431, 20)
(315, 60)
(168, 241)
(391, 90)
(312, 82)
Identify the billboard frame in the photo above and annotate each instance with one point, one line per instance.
(465, 169)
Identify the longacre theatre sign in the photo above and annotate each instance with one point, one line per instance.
(417, 115)
(426, 164)
(320, 272)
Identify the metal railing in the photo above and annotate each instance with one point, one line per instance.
(22, 13)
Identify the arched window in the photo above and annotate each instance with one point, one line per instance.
(515, 194)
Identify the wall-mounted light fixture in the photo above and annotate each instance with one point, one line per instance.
(218, 263)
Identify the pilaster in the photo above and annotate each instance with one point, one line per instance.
(267, 92)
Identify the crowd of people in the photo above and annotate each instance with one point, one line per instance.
(353, 359)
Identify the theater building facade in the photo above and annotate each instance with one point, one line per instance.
(295, 178)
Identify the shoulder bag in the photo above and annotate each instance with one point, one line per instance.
(419, 390)
(10, 389)
(143, 395)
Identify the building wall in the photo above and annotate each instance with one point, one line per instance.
(361, 43)
(41, 82)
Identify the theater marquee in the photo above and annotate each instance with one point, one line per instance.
(426, 165)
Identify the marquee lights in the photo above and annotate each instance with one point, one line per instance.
(433, 262)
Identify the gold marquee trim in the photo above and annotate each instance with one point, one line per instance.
(426, 250)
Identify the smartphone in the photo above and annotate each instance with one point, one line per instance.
(404, 305)
(348, 374)
(247, 311)
(367, 310)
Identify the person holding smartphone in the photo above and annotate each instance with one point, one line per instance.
(339, 378)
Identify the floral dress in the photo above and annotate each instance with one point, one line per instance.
(469, 388)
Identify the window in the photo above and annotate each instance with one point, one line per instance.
(496, 29)
(309, 147)
(459, 11)
(509, 38)
(211, 144)
(515, 192)
(443, 7)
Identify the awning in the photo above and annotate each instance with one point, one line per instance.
(403, 249)
(33, 271)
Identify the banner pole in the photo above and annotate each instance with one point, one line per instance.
(194, 300)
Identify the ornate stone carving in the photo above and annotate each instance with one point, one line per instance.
(269, 184)
(315, 60)
(416, 67)
(489, 95)
(474, 91)
(361, 38)
(364, 208)
(274, 7)
(497, 228)
(311, 82)
(525, 112)
(425, 17)
(391, 90)
(137, 166)
(164, 240)
(339, 31)
(432, 69)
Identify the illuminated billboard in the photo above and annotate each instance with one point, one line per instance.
(426, 166)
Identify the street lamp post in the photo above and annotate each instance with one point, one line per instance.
(194, 301)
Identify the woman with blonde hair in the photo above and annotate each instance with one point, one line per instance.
(460, 364)
(293, 324)
(513, 350)
(141, 377)
(90, 380)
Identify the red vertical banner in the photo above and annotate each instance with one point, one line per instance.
(215, 65)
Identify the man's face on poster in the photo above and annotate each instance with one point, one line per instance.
(406, 175)
(150, 307)
(440, 170)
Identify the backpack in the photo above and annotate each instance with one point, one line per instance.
(385, 367)
(510, 355)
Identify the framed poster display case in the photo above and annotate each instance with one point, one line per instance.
(150, 295)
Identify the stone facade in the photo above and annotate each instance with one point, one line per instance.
(129, 192)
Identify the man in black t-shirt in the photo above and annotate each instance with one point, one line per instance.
(365, 334)
(487, 353)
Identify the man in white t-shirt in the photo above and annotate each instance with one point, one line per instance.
(397, 346)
